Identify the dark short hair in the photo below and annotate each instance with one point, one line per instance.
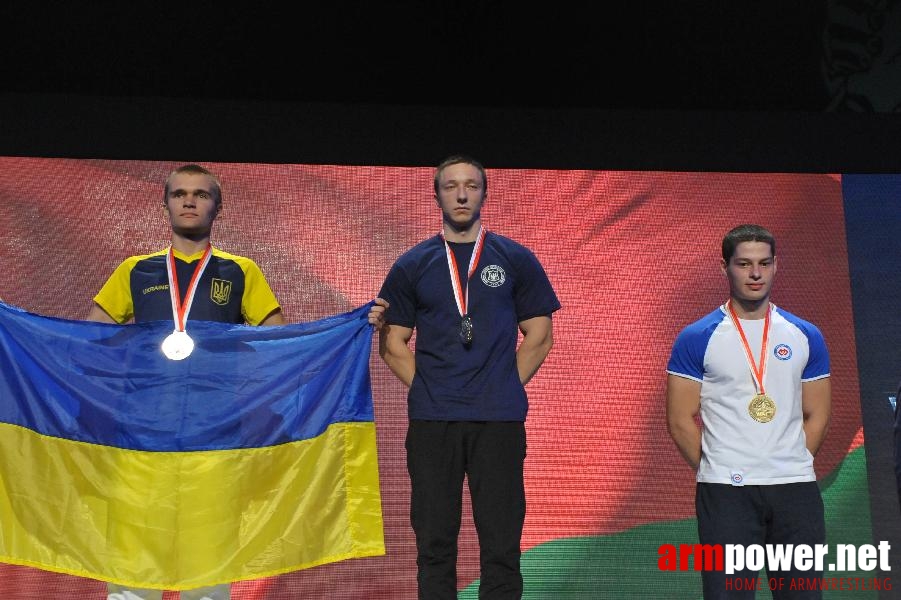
(746, 233)
(457, 159)
(193, 169)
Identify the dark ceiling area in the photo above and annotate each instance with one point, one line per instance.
(791, 85)
(706, 55)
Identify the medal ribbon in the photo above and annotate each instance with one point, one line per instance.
(757, 373)
(181, 309)
(461, 296)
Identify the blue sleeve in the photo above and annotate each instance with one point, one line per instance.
(534, 296)
(400, 293)
(687, 355)
(818, 362)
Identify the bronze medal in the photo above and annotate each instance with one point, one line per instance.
(461, 292)
(762, 408)
(466, 330)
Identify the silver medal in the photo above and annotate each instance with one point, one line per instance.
(178, 345)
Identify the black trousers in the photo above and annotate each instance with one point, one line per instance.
(790, 513)
(491, 454)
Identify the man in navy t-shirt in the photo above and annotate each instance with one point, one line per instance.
(467, 293)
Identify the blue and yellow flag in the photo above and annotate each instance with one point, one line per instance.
(254, 456)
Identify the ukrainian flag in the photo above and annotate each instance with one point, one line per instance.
(254, 456)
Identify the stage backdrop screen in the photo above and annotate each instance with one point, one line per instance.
(634, 256)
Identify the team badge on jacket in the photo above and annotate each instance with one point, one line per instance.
(782, 352)
(493, 276)
(220, 291)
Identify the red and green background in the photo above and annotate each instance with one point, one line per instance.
(633, 256)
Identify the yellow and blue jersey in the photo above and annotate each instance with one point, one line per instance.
(231, 290)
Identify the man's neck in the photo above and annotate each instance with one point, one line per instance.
(469, 234)
(750, 310)
(189, 246)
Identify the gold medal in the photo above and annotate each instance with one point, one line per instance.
(762, 408)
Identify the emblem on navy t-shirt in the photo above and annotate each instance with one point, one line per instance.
(782, 352)
(220, 291)
(493, 276)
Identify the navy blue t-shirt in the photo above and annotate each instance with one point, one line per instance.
(478, 381)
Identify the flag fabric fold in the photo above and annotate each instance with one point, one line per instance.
(254, 456)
